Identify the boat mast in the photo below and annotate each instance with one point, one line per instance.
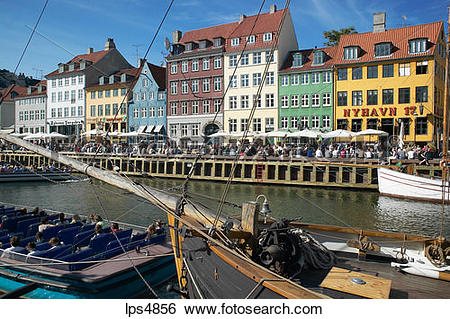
(445, 124)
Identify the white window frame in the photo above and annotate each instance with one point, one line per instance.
(235, 42)
(315, 100)
(284, 101)
(294, 101)
(205, 64)
(305, 100)
(267, 37)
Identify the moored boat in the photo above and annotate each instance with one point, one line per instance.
(27, 176)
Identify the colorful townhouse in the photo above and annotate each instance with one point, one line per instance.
(65, 89)
(30, 110)
(148, 112)
(107, 101)
(7, 105)
(388, 77)
(306, 90)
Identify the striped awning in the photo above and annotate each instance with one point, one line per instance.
(141, 129)
(149, 129)
(158, 128)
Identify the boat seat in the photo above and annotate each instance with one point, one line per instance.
(133, 244)
(138, 236)
(87, 227)
(43, 246)
(52, 231)
(83, 238)
(3, 233)
(57, 252)
(22, 226)
(157, 239)
(26, 240)
(98, 244)
(67, 235)
(10, 223)
(123, 233)
(84, 254)
(32, 229)
(113, 248)
(4, 239)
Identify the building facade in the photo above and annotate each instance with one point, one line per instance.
(246, 56)
(107, 101)
(306, 90)
(30, 110)
(148, 112)
(389, 79)
(65, 89)
(7, 105)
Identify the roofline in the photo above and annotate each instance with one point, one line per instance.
(385, 60)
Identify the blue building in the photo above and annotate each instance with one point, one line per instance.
(148, 112)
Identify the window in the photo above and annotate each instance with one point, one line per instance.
(244, 80)
(388, 96)
(315, 121)
(257, 58)
(205, 64)
(21, 115)
(244, 102)
(195, 65)
(233, 125)
(145, 82)
(315, 99)
(270, 124)
(93, 108)
(256, 79)
(357, 73)
(417, 45)
(267, 37)
(66, 112)
(217, 105)
(100, 94)
(233, 60)
(60, 82)
(66, 95)
(270, 79)
(195, 129)
(268, 57)
(404, 69)
(382, 49)
(421, 94)
(257, 100)
(422, 67)
(356, 125)
(342, 98)
(42, 114)
(80, 79)
(53, 97)
(107, 109)
(184, 108)
(270, 100)
(217, 84)
(53, 83)
(251, 39)
(233, 102)
(26, 116)
(184, 66)
(173, 68)
(100, 110)
(421, 126)
(305, 78)
(403, 95)
(388, 70)
(372, 97)
(342, 124)
(206, 85)
(297, 59)
(318, 57)
(233, 81)
(257, 125)
(53, 113)
(284, 80)
(73, 80)
(372, 72)
(315, 77)
(206, 108)
(173, 88)
(143, 112)
(184, 129)
(194, 87)
(294, 79)
(184, 86)
(123, 91)
(123, 108)
(351, 53)
(173, 130)
(285, 101)
(234, 42)
(326, 121)
(217, 62)
(372, 124)
(173, 108)
(115, 109)
(31, 116)
(59, 112)
(66, 81)
(244, 59)
(72, 96)
(356, 98)
(115, 92)
(304, 122)
(144, 96)
(294, 100)
(284, 122)
(342, 74)
(305, 100)
(194, 107)
(406, 125)
(326, 77)
(326, 99)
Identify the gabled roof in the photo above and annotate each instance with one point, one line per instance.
(92, 57)
(307, 56)
(10, 89)
(34, 90)
(399, 38)
(159, 74)
(133, 72)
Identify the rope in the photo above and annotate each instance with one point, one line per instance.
(192, 279)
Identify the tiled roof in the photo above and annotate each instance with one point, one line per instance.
(159, 74)
(93, 57)
(12, 88)
(34, 90)
(131, 71)
(399, 38)
(307, 55)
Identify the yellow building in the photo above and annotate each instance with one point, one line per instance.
(107, 103)
(385, 78)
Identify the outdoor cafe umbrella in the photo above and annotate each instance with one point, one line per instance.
(241, 134)
(220, 134)
(56, 135)
(113, 134)
(17, 134)
(338, 134)
(280, 134)
(133, 134)
(305, 133)
(93, 132)
(36, 136)
(372, 132)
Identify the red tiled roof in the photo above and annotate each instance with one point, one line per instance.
(12, 88)
(93, 57)
(399, 38)
(159, 74)
(34, 90)
(209, 33)
(307, 54)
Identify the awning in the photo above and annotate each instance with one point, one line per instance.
(158, 128)
(149, 129)
(141, 129)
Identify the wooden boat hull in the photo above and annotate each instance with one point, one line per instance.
(33, 177)
(400, 185)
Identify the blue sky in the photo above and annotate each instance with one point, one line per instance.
(78, 24)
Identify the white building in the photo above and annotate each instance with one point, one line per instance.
(30, 111)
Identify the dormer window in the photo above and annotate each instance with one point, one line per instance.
(383, 49)
(203, 44)
(101, 80)
(111, 79)
(189, 46)
(318, 57)
(351, 53)
(267, 37)
(61, 68)
(234, 42)
(251, 39)
(417, 45)
(123, 77)
(82, 64)
(71, 67)
(218, 42)
(297, 59)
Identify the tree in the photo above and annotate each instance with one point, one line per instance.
(333, 36)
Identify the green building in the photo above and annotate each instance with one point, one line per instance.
(306, 90)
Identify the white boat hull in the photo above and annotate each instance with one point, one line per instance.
(401, 185)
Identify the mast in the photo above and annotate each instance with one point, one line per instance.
(445, 124)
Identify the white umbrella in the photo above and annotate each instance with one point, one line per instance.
(241, 134)
(135, 134)
(273, 134)
(305, 133)
(338, 133)
(17, 134)
(220, 134)
(372, 132)
(93, 132)
(35, 136)
(113, 134)
(57, 135)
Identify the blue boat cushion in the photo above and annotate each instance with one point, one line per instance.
(57, 251)
(138, 236)
(22, 226)
(99, 242)
(67, 235)
(52, 231)
(123, 233)
(87, 227)
(43, 246)
(26, 240)
(83, 238)
(32, 229)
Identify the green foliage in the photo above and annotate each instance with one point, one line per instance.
(333, 36)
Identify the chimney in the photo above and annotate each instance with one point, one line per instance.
(90, 50)
(242, 17)
(141, 62)
(176, 36)
(379, 22)
(273, 8)
(110, 44)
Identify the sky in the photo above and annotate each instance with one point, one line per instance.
(69, 27)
